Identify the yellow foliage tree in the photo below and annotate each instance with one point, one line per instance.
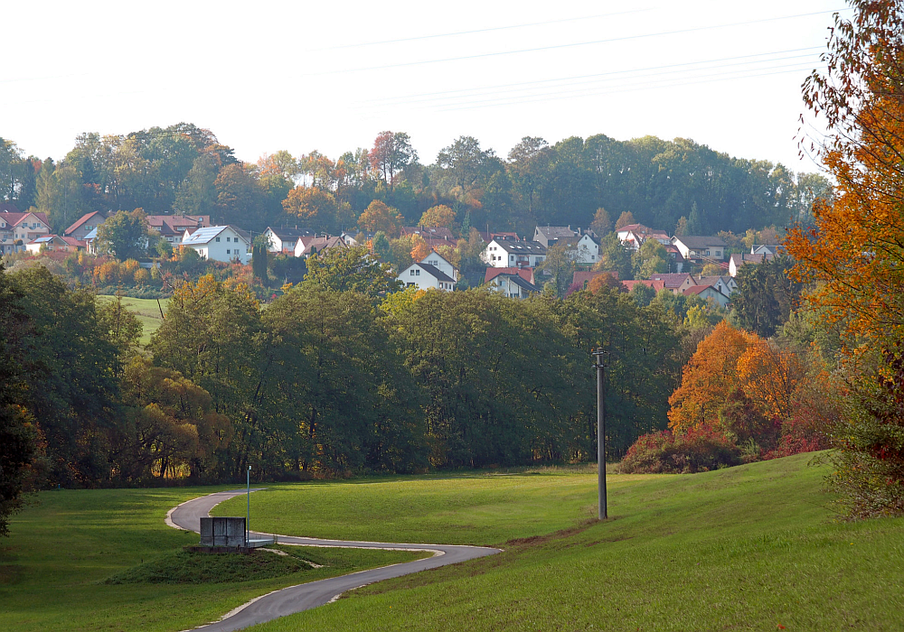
(769, 375)
(380, 217)
(419, 248)
(709, 377)
(439, 215)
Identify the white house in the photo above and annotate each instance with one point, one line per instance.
(18, 229)
(310, 244)
(283, 240)
(584, 251)
(220, 243)
(437, 261)
(425, 276)
(633, 235)
(708, 293)
(502, 253)
(696, 248)
(512, 284)
(725, 284)
(737, 261)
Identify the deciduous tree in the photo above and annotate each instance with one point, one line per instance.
(708, 378)
(380, 217)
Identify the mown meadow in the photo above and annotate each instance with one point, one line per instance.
(756, 547)
(147, 310)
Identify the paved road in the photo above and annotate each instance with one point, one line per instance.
(306, 596)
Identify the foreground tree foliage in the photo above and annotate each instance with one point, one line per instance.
(854, 247)
(18, 448)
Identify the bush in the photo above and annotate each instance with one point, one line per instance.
(697, 450)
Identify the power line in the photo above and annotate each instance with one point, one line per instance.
(563, 46)
(476, 31)
(617, 90)
(578, 79)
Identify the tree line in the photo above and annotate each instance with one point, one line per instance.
(340, 374)
(184, 169)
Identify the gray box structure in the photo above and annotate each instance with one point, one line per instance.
(223, 531)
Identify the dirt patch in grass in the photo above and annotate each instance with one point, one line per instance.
(540, 540)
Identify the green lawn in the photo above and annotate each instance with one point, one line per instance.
(64, 547)
(748, 548)
(147, 310)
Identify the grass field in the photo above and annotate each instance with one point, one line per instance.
(65, 547)
(749, 548)
(755, 547)
(147, 310)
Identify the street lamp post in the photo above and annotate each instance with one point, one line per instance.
(600, 365)
(248, 511)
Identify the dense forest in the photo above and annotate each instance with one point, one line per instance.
(184, 169)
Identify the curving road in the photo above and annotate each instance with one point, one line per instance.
(306, 596)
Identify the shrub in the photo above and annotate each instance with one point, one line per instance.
(698, 450)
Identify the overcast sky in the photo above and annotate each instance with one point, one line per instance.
(270, 75)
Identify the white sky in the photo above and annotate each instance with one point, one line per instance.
(300, 76)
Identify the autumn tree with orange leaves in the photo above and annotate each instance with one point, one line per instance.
(378, 216)
(856, 247)
(708, 378)
(439, 215)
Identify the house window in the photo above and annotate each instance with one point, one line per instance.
(417, 272)
(218, 239)
(411, 272)
(227, 239)
(227, 250)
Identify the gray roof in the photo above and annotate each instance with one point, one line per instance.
(522, 247)
(290, 233)
(556, 232)
(434, 271)
(517, 280)
(697, 241)
(206, 234)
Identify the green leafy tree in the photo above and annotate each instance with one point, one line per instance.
(341, 398)
(615, 257)
(124, 235)
(651, 258)
(766, 296)
(68, 359)
(212, 336)
(18, 439)
(350, 270)
(558, 267)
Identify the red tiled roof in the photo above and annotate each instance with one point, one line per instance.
(525, 273)
(655, 284)
(583, 277)
(80, 221)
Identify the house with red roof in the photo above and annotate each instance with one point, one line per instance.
(655, 284)
(85, 224)
(18, 229)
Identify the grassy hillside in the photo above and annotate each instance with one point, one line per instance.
(747, 548)
(147, 310)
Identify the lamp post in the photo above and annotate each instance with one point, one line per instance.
(248, 511)
(600, 365)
